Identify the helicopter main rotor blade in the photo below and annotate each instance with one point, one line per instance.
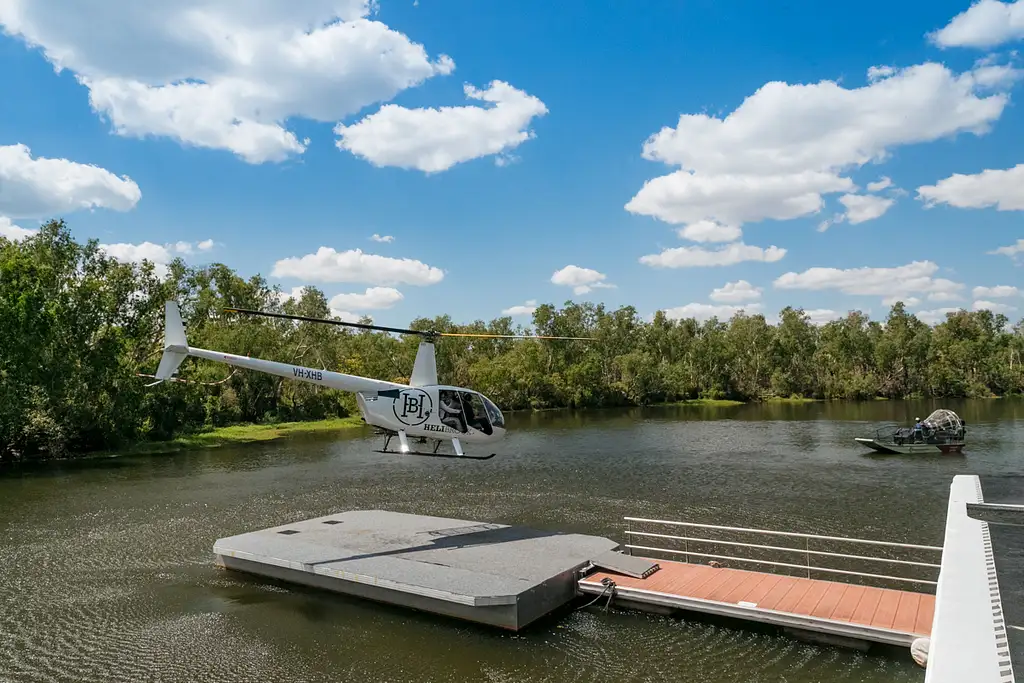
(507, 336)
(363, 326)
(398, 330)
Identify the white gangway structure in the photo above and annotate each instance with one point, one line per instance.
(969, 641)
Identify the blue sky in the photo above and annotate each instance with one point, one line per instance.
(492, 201)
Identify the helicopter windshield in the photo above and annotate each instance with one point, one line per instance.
(497, 419)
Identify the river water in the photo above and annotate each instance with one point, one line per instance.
(106, 567)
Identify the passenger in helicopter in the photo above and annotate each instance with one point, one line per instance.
(451, 410)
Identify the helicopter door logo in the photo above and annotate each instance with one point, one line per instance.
(413, 407)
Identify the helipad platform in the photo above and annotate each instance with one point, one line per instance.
(494, 574)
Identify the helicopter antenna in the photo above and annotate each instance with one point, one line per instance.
(431, 335)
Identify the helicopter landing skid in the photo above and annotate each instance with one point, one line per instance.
(439, 455)
(455, 443)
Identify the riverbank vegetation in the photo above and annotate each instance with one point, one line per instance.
(244, 433)
(77, 327)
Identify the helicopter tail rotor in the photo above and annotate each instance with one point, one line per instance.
(175, 344)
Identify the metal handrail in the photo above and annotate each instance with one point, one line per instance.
(785, 564)
(785, 533)
(806, 550)
(775, 547)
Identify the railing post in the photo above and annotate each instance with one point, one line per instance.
(807, 555)
(629, 537)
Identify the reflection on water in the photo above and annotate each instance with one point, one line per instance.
(105, 566)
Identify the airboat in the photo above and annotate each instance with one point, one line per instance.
(941, 432)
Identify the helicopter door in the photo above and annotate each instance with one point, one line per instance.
(451, 411)
(476, 413)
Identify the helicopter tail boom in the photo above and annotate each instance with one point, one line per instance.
(324, 378)
(176, 350)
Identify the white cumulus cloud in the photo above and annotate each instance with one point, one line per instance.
(788, 145)
(907, 300)
(709, 231)
(348, 317)
(1001, 188)
(935, 316)
(433, 140)
(704, 312)
(296, 294)
(160, 255)
(13, 232)
(899, 281)
(997, 292)
(993, 306)
(736, 292)
(374, 298)
(1012, 250)
(985, 24)
(523, 309)
(693, 257)
(690, 196)
(328, 265)
(861, 208)
(582, 280)
(880, 184)
(38, 187)
(382, 238)
(224, 74)
(820, 316)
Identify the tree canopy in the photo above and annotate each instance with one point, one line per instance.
(77, 327)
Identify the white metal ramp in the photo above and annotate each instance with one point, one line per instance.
(968, 640)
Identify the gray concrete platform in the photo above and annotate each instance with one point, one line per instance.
(494, 574)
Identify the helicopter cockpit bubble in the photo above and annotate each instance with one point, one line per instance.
(476, 412)
(497, 419)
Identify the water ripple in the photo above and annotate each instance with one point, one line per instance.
(107, 570)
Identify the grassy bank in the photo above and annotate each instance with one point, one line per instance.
(711, 402)
(246, 433)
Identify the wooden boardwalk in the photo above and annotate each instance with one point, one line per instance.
(860, 613)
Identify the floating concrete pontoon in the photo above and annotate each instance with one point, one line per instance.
(488, 573)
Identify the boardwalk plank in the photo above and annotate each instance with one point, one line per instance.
(830, 600)
(903, 611)
(847, 606)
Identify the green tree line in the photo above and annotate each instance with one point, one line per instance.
(77, 328)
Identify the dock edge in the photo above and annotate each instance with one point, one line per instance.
(968, 640)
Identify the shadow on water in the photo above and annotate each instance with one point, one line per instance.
(943, 458)
(302, 447)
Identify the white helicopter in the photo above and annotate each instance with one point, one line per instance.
(422, 409)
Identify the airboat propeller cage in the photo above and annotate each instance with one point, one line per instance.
(944, 421)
